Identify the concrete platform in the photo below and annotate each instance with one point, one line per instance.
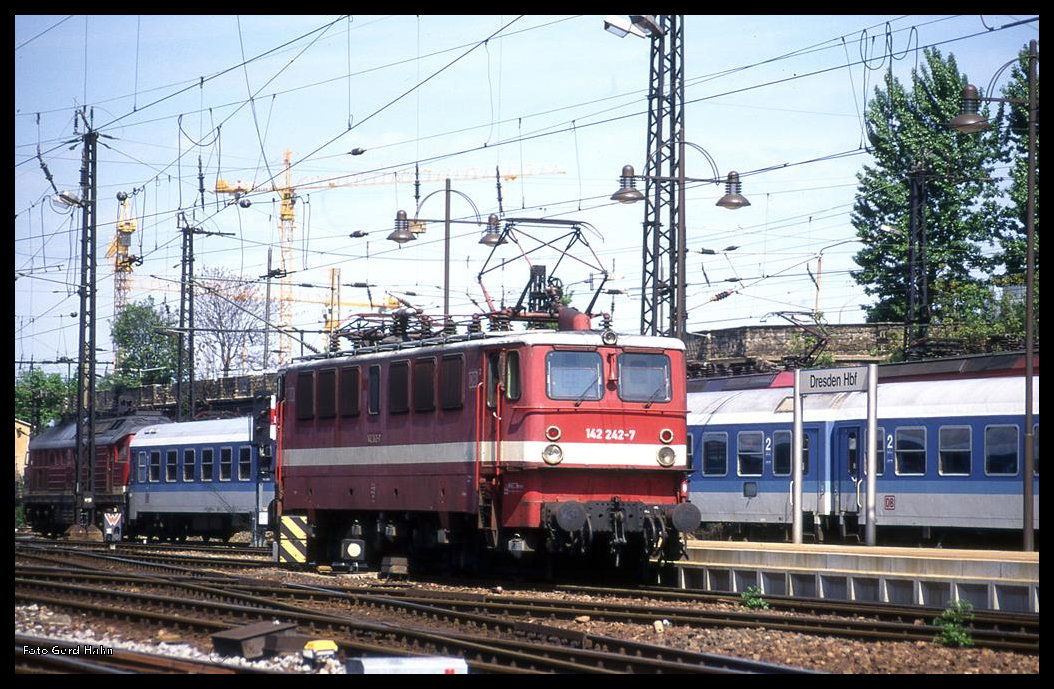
(989, 580)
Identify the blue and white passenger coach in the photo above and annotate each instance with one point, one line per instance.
(199, 478)
(951, 457)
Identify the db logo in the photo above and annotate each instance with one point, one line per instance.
(889, 502)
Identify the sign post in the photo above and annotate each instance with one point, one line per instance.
(834, 380)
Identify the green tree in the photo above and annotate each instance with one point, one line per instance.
(147, 355)
(40, 397)
(908, 131)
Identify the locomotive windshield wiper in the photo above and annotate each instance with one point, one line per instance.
(592, 385)
(661, 390)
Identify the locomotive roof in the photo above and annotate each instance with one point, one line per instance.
(209, 431)
(107, 431)
(972, 397)
(460, 343)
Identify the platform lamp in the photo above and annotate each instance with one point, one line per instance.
(970, 121)
(406, 230)
(733, 199)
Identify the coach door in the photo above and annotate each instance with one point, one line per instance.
(848, 468)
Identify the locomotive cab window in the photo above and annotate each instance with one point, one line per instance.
(644, 377)
(508, 376)
(574, 376)
(512, 375)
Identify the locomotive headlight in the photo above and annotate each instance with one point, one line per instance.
(552, 434)
(552, 454)
(666, 456)
(353, 549)
(666, 436)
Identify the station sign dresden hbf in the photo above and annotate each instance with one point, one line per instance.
(848, 379)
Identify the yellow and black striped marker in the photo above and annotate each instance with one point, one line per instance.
(292, 540)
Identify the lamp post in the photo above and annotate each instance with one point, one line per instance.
(819, 272)
(970, 121)
(406, 230)
(732, 200)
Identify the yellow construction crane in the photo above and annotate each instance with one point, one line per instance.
(287, 218)
(123, 261)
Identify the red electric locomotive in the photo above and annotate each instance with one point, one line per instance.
(526, 443)
(51, 489)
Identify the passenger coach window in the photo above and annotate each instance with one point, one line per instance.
(245, 463)
(644, 377)
(142, 467)
(226, 460)
(349, 391)
(171, 465)
(188, 465)
(425, 385)
(155, 466)
(783, 453)
(327, 393)
(911, 451)
(305, 395)
(451, 382)
(574, 376)
(715, 454)
(954, 450)
(749, 450)
(880, 451)
(206, 464)
(1000, 450)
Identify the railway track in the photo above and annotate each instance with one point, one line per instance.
(215, 548)
(34, 654)
(487, 643)
(159, 561)
(521, 615)
(535, 630)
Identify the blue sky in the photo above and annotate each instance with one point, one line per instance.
(554, 103)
